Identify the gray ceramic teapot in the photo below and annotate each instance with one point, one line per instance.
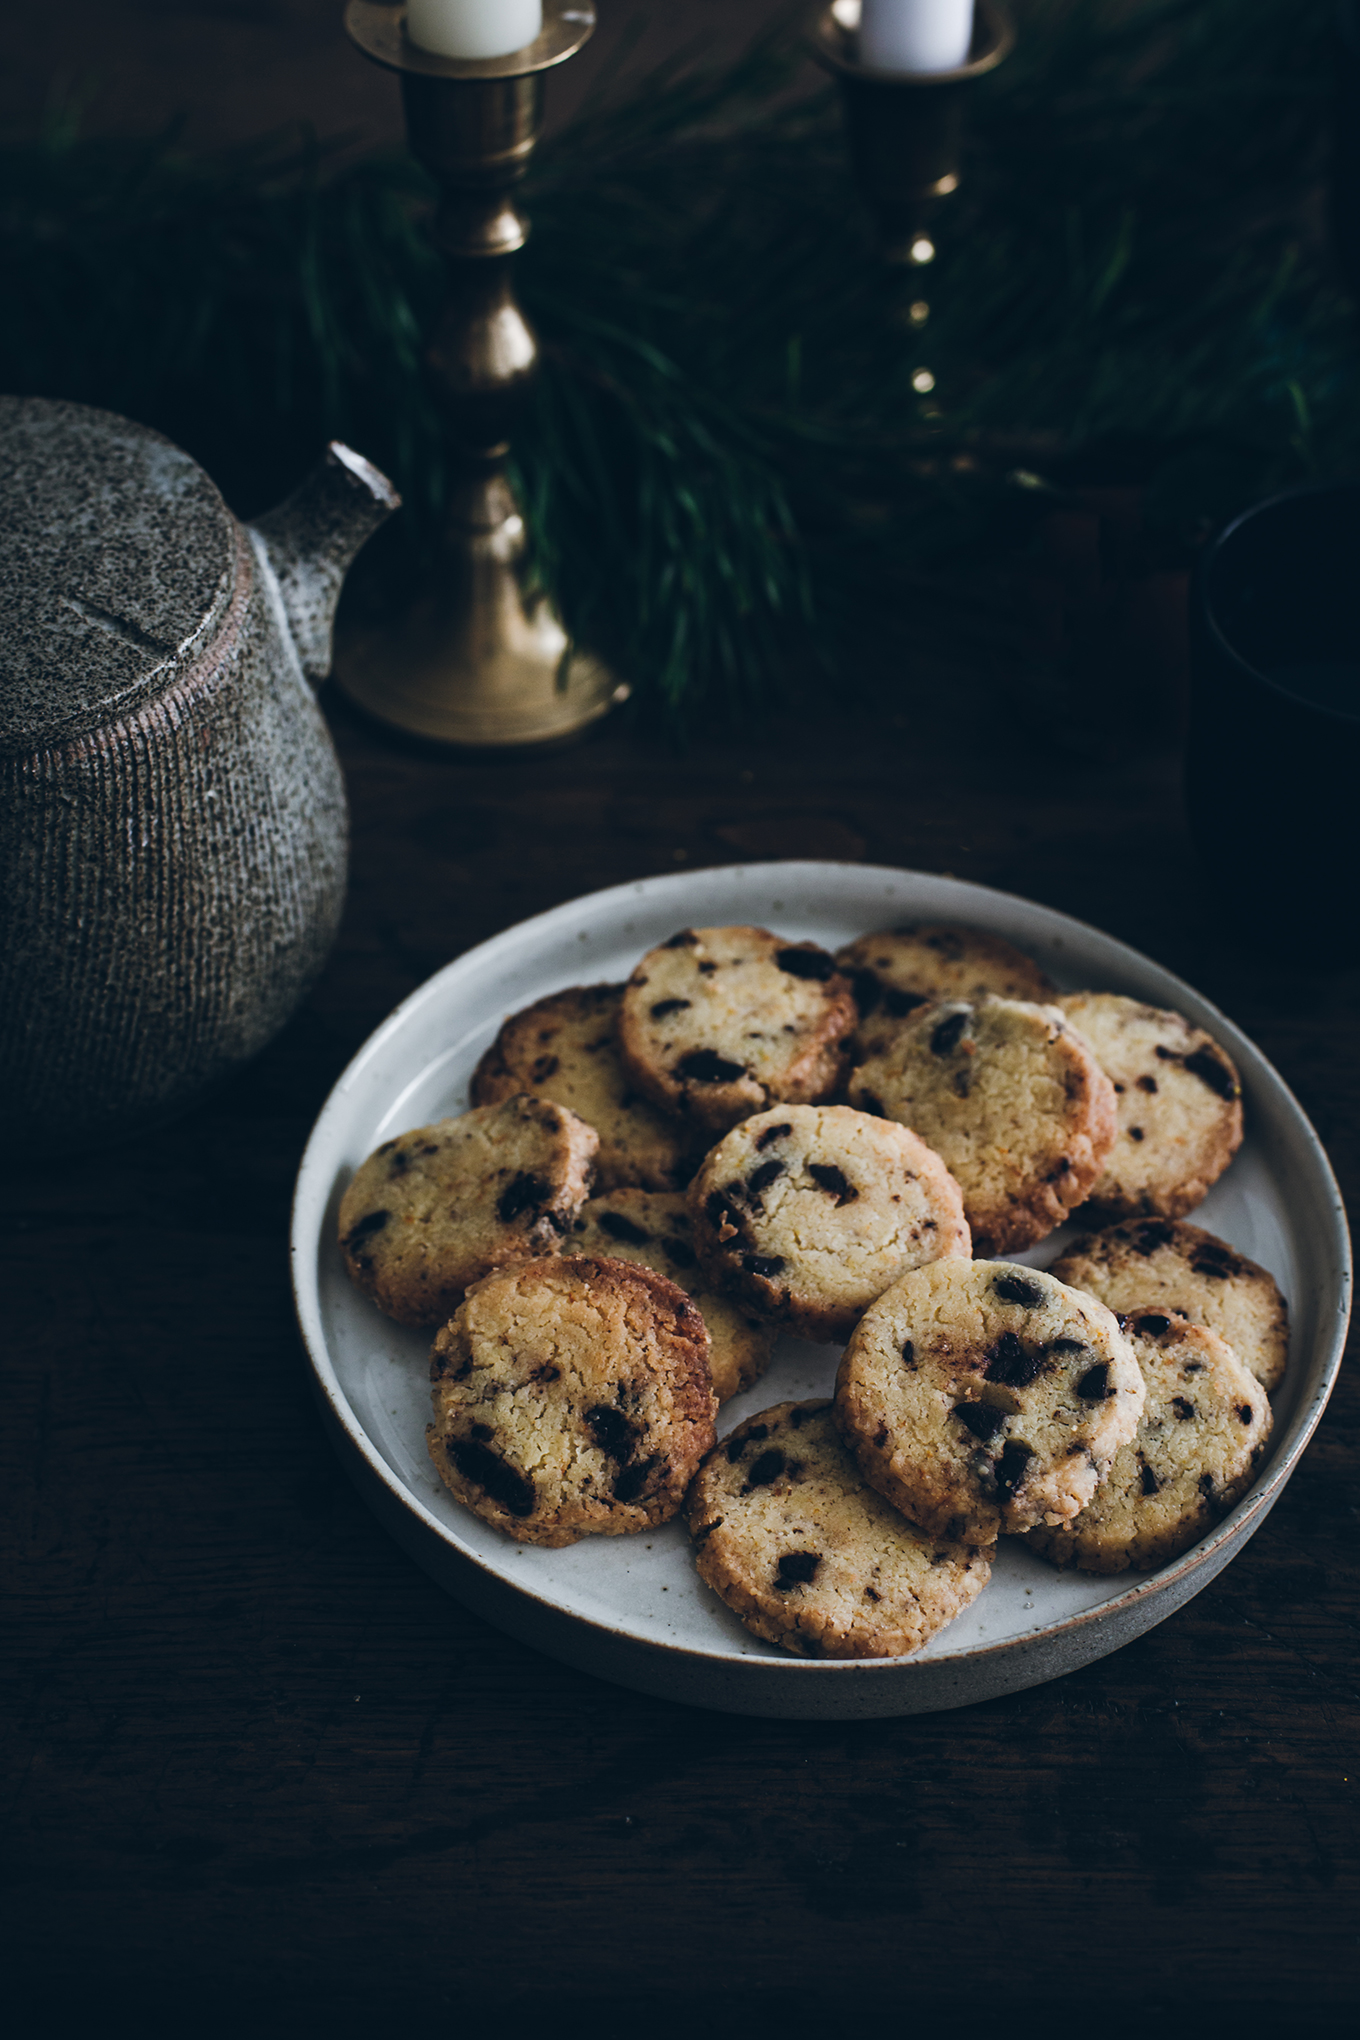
(172, 815)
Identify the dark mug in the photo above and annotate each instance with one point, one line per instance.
(1273, 772)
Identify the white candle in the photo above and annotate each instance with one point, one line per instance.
(473, 28)
(915, 35)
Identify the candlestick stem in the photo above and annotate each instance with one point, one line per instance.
(480, 660)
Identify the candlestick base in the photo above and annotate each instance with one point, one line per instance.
(905, 128)
(479, 661)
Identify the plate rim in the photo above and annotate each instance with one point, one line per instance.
(1237, 1525)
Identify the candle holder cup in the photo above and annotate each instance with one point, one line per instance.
(479, 660)
(905, 128)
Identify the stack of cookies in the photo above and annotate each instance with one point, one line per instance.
(754, 1136)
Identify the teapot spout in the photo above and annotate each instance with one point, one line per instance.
(309, 541)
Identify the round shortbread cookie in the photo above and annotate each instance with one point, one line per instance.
(978, 1397)
(808, 1212)
(720, 1022)
(654, 1227)
(433, 1211)
(1200, 1438)
(566, 1048)
(1179, 1103)
(899, 969)
(1163, 1264)
(1013, 1102)
(570, 1397)
(807, 1555)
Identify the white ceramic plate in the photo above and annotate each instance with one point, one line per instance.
(632, 1608)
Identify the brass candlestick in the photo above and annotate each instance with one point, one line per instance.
(479, 661)
(905, 128)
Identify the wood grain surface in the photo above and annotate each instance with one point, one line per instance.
(255, 1760)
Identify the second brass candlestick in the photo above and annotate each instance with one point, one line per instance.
(480, 661)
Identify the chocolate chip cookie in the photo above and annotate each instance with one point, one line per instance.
(566, 1048)
(571, 1397)
(978, 1396)
(1178, 1099)
(1164, 1264)
(654, 1227)
(808, 1212)
(720, 1022)
(900, 969)
(1013, 1102)
(436, 1209)
(1200, 1438)
(807, 1555)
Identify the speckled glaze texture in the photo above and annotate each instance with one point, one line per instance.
(173, 834)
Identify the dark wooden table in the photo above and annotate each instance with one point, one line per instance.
(254, 1758)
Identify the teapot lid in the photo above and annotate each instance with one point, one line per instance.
(117, 558)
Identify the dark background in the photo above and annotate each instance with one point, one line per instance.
(256, 1765)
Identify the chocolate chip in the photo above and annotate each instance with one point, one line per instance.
(1150, 1482)
(707, 969)
(762, 1264)
(761, 1178)
(870, 1595)
(1149, 1238)
(611, 1431)
(909, 1352)
(872, 1105)
(630, 1481)
(686, 939)
(706, 1066)
(1135, 1133)
(482, 1431)
(867, 990)
(767, 1468)
(899, 1003)
(834, 1181)
(1211, 1069)
(737, 1444)
(1166, 1054)
(1010, 1468)
(797, 1569)
(524, 1192)
(1148, 1084)
(682, 1255)
(545, 1067)
(1184, 1409)
(1094, 1385)
(801, 1416)
(1066, 1346)
(373, 1222)
(664, 1006)
(1206, 1484)
(1244, 1413)
(771, 1134)
(1015, 1289)
(946, 1037)
(399, 1163)
(1218, 1263)
(1152, 1324)
(620, 1228)
(981, 1419)
(814, 964)
(1010, 1364)
(487, 1470)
